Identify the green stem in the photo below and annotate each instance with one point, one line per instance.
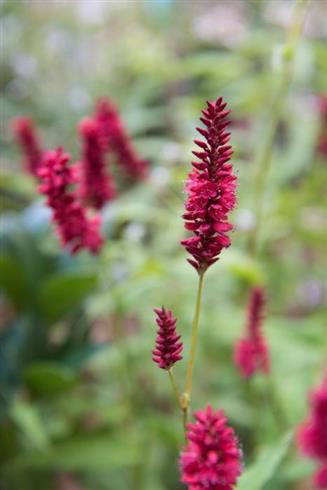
(263, 160)
(252, 398)
(178, 397)
(124, 366)
(185, 419)
(275, 405)
(186, 396)
(174, 385)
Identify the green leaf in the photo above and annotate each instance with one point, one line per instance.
(47, 378)
(264, 468)
(60, 294)
(12, 281)
(243, 267)
(28, 420)
(299, 469)
(76, 358)
(100, 452)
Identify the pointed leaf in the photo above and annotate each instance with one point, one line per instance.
(264, 468)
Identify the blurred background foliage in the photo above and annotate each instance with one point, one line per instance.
(82, 405)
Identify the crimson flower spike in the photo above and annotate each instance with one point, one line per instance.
(211, 459)
(75, 230)
(312, 435)
(210, 189)
(168, 349)
(24, 130)
(116, 139)
(322, 139)
(251, 353)
(97, 186)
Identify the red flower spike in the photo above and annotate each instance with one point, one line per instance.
(168, 349)
(24, 130)
(251, 353)
(115, 138)
(322, 138)
(212, 459)
(74, 229)
(210, 189)
(97, 185)
(312, 435)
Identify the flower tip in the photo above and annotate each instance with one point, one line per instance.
(88, 127)
(20, 124)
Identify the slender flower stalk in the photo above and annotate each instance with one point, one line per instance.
(264, 156)
(186, 397)
(24, 130)
(211, 459)
(312, 435)
(75, 230)
(116, 139)
(174, 385)
(251, 353)
(97, 185)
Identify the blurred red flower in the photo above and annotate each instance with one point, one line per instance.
(75, 230)
(251, 353)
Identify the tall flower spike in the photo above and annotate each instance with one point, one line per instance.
(322, 138)
(212, 459)
(251, 352)
(74, 229)
(24, 130)
(168, 349)
(210, 189)
(97, 185)
(312, 435)
(116, 139)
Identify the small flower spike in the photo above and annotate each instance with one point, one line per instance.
(251, 353)
(24, 130)
(168, 348)
(312, 435)
(210, 189)
(211, 459)
(97, 186)
(116, 139)
(75, 230)
(322, 138)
